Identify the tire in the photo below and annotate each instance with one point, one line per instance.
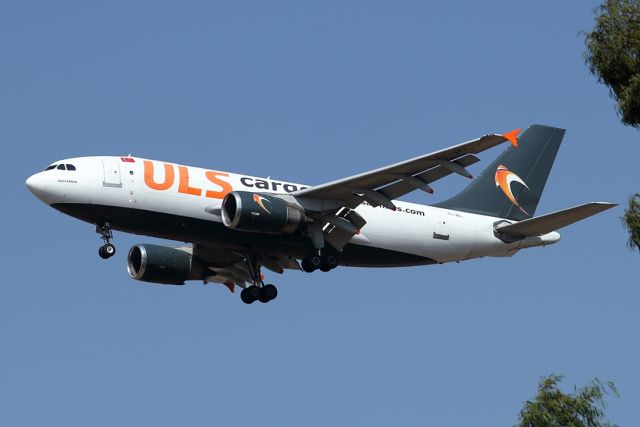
(253, 292)
(103, 253)
(329, 262)
(270, 292)
(110, 250)
(246, 297)
(263, 298)
(306, 266)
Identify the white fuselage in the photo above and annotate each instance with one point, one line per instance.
(190, 192)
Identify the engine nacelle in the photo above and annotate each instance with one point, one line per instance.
(162, 264)
(262, 213)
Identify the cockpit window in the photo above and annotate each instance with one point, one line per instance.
(62, 167)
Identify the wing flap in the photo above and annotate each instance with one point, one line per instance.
(229, 267)
(340, 228)
(278, 264)
(402, 187)
(544, 224)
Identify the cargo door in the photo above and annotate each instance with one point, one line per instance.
(112, 176)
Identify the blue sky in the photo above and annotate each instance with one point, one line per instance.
(308, 92)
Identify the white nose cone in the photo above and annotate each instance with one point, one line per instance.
(37, 184)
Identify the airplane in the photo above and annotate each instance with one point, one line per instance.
(237, 224)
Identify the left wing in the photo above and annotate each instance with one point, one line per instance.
(379, 186)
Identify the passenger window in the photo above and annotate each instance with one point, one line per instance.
(61, 167)
(51, 167)
(71, 167)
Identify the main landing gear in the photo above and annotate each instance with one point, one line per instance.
(323, 262)
(258, 291)
(108, 249)
(322, 259)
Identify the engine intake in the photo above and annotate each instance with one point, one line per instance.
(162, 264)
(262, 213)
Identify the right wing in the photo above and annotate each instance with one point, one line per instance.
(380, 186)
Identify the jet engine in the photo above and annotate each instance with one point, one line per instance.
(163, 264)
(261, 213)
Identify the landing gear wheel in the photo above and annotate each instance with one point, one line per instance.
(107, 251)
(245, 296)
(324, 263)
(250, 294)
(258, 291)
(306, 265)
(329, 262)
(268, 293)
(311, 263)
(254, 293)
(315, 261)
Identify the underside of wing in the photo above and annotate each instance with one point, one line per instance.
(233, 268)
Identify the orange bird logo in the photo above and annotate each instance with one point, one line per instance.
(260, 202)
(504, 178)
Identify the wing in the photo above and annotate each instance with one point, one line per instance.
(232, 268)
(380, 186)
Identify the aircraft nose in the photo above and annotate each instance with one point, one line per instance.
(37, 185)
(34, 183)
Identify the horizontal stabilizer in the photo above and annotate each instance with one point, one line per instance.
(544, 224)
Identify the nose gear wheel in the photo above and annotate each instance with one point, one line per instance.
(108, 249)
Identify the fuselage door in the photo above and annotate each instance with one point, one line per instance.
(111, 173)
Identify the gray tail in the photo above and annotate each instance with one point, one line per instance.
(498, 191)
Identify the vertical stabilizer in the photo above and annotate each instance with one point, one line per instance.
(511, 186)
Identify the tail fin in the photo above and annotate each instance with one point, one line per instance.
(527, 166)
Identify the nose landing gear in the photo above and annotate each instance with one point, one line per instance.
(108, 249)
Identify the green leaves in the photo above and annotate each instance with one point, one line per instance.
(631, 221)
(613, 55)
(553, 408)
